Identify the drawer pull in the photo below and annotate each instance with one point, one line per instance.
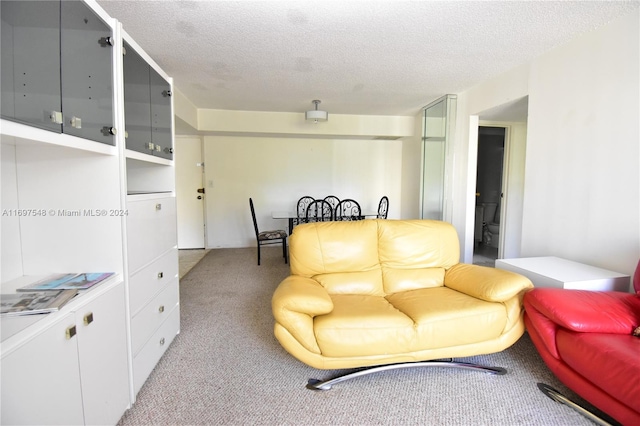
(160, 275)
(161, 309)
(159, 206)
(88, 319)
(162, 341)
(70, 332)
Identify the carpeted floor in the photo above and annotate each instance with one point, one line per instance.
(226, 368)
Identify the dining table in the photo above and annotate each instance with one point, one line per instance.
(292, 215)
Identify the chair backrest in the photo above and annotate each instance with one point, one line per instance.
(302, 205)
(383, 207)
(253, 216)
(333, 200)
(636, 279)
(348, 209)
(319, 211)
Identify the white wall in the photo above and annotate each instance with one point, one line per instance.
(581, 172)
(276, 172)
(582, 182)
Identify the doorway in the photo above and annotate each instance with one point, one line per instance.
(190, 192)
(489, 194)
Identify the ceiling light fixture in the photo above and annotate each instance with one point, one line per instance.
(316, 114)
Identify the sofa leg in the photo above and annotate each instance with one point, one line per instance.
(315, 384)
(558, 397)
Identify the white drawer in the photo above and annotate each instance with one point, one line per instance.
(153, 315)
(151, 229)
(148, 282)
(148, 357)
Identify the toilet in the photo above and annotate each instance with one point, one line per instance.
(491, 231)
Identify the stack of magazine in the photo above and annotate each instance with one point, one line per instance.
(48, 294)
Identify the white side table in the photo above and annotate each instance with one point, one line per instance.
(562, 273)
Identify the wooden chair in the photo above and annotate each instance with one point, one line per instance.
(319, 211)
(268, 237)
(383, 207)
(348, 209)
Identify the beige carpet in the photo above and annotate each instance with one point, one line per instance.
(226, 368)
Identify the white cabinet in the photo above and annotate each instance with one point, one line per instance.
(152, 251)
(72, 368)
(147, 100)
(57, 68)
(102, 353)
(69, 204)
(154, 298)
(43, 371)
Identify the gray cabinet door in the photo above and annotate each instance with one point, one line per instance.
(137, 101)
(160, 115)
(87, 82)
(31, 63)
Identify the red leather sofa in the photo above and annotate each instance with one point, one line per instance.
(586, 339)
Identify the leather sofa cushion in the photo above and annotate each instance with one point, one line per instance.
(362, 325)
(446, 318)
(417, 244)
(331, 247)
(359, 282)
(587, 353)
(398, 280)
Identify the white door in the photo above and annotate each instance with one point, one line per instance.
(190, 202)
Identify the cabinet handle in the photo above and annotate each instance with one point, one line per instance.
(168, 150)
(105, 41)
(55, 117)
(160, 275)
(70, 332)
(162, 341)
(75, 122)
(166, 93)
(161, 309)
(88, 318)
(109, 131)
(158, 206)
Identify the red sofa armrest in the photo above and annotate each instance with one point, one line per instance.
(587, 311)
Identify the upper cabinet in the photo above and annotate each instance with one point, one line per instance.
(87, 88)
(57, 68)
(147, 107)
(31, 63)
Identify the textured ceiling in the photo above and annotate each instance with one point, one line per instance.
(358, 57)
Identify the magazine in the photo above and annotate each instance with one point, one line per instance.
(67, 281)
(41, 302)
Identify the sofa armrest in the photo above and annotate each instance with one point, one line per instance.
(490, 284)
(587, 311)
(294, 304)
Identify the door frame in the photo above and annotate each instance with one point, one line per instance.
(504, 190)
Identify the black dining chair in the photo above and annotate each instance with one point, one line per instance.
(383, 207)
(319, 211)
(301, 209)
(333, 200)
(268, 237)
(348, 209)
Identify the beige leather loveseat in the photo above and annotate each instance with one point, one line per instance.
(375, 292)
